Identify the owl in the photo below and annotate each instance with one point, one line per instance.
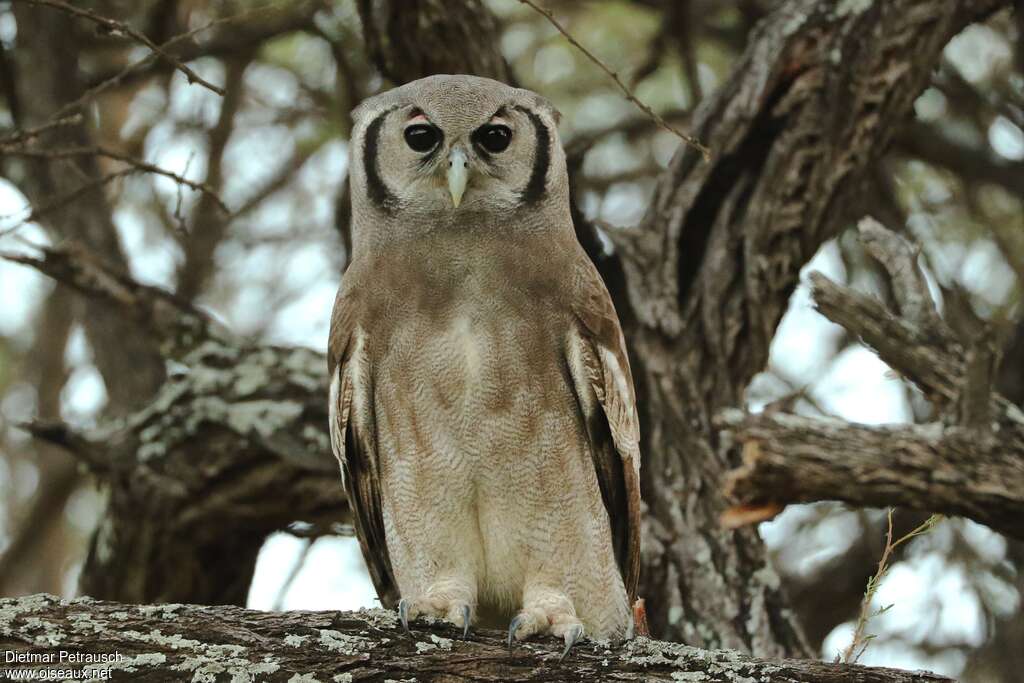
(481, 402)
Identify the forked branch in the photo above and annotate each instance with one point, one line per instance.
(970, 464)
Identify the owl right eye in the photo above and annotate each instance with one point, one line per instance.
(421, 137)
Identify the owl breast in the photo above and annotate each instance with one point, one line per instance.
(478, 433)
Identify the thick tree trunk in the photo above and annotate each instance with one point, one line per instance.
(820, 92)
(174, 642)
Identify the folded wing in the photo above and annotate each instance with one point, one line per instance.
(352, 439)
(597, 360)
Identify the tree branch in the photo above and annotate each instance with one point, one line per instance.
(98, 150)
(174, 530)
(114, 27)
(974, 467)
(626, 91)
(47, 76)
(150, 643)
(711, 267)
(174, 326)
(181, 528)
(794, 459)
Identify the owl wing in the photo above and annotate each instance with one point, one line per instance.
(354, 444)
(604, 391)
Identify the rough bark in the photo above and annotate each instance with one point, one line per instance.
(932, 468)
(171, 642)
(227, 452)
(230, 450)
(409, 39)
(710, 270)
(971, 465)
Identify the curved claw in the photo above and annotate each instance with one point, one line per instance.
(403, 614)
(513, 625)
(572, 636)
(465, 622)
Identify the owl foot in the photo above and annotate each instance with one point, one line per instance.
(532, 621)
(457, 613)
(571, 637)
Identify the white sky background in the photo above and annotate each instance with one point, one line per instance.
(300, 270)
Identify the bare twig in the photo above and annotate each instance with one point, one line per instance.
(114, 27)
(29, 134)
(899, 258)
(136, 164)
(61, 435)
(297, 566)
(65, 199)
(688, 139)
(174, 325)
(149, 59)
(861, 639)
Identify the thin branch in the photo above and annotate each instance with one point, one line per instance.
(29, 134)
(861, 640)
(981, 361)
(282, 19)
(114, 27)
(175, 325)
(293, 573)
(65, 199)
(63, 436)
(136, 164)
(149, 59)
(688, 139)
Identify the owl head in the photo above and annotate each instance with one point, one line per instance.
(452, 150)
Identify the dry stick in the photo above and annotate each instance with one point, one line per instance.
(688, 139)
(28, 134)
(116, 27)
(103, 86)
(67, 198)
(861, 641)
(137, 164)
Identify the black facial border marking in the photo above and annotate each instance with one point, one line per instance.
(378, 192)
(536, 187)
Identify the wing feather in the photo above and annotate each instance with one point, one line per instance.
(604, 387)
(354, 444)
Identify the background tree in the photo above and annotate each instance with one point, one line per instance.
(199, 147)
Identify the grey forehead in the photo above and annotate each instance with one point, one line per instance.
(475, 98)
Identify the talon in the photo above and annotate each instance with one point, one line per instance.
(403, 614)
(516, 621)
(465, 622)
(572, 636)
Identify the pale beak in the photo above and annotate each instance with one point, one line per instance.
(458, 175)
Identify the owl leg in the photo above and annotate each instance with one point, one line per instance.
(450, 599)
(546, 611)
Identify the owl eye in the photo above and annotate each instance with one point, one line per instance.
(494, 138)
(421, 137)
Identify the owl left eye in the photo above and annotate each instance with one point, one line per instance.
(494, 139)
